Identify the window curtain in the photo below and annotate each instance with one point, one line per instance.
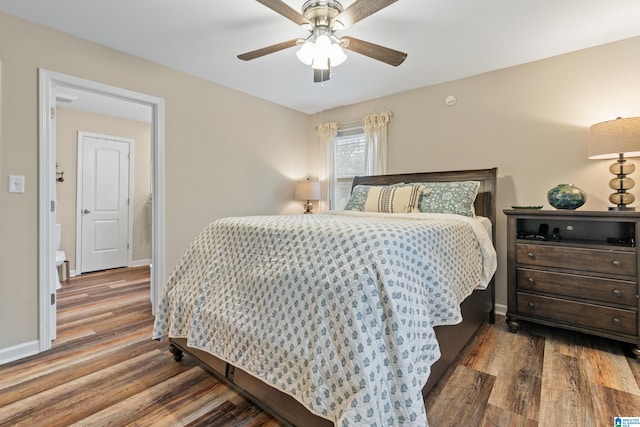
(375, 148)
(326, 134)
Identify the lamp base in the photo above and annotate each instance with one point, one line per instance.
(308, 206)
(622, 208)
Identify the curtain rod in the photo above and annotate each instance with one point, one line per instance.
(342, 125)
(353, 122)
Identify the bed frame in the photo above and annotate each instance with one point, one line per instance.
(476, 309)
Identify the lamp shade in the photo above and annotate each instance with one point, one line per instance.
(307, 190)
(607, 140)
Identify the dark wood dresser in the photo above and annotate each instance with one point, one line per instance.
(576, 270)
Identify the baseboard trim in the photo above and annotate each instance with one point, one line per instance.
(138, 263)
(501, 309)
(141, 262)
(19, 351)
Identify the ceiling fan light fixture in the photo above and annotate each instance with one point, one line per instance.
(321, 56)
(320, 52)
(306, 53)
(337, 55)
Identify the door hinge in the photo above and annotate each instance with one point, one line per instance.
(53, 113)
(53, 206)
(53, 299)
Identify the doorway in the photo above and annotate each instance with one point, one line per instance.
(49, 83)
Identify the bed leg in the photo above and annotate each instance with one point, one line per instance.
(177, 353)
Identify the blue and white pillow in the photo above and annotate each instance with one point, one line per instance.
(450, 197)
(358, 198)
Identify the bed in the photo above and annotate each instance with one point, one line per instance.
(338, 326)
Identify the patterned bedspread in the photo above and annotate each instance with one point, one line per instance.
(336, 309)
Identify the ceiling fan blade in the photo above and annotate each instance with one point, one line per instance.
(285, 10)
(381, 53)
(269, 49)
(320, 76)
(359, 10)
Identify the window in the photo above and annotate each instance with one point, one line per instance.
(349, 162)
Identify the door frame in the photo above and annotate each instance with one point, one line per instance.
(47, 82)
(79, 189)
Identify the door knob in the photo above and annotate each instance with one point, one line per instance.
(86, 211)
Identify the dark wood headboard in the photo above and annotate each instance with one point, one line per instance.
(485, 204)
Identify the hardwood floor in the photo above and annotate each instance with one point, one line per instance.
(105, 370)
(538, 377)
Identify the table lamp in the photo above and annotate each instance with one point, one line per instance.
(307, 191)
(617, 139)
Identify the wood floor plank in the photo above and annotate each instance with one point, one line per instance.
(164, 402)
(635, 368)
(518, 389)
(62, 358)
(609, 403)
(498, 417)
(608, 366)
(84, 396)
(566, 396)
(32, 385)
(462, 400)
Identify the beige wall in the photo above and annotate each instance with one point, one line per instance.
(531, 121)
(68, 123)
(227, 153)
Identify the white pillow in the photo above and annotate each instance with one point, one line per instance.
(394, 199)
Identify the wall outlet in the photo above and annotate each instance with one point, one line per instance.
(16, 184)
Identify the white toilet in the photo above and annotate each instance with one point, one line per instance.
(60, 255)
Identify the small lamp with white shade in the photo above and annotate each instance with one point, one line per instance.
(616, 139)
(307, 191)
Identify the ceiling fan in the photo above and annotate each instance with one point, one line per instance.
(322, 49)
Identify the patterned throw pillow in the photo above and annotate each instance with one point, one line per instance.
(357, 198)
(450, 197)
(393, 199)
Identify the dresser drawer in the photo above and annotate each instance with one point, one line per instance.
(573, 285)
(580, 314)
(580, 259)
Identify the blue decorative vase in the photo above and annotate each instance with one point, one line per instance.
(566, 196)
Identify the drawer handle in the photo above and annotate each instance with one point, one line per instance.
(530, 304)
(531, 280)
(617, 293)
(531, 255)
(616, 321)
(616, 263)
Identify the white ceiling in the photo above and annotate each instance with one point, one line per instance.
(445, 40)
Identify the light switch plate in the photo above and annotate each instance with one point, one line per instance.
(16, 184)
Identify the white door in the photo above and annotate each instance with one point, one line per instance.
(104, 165)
